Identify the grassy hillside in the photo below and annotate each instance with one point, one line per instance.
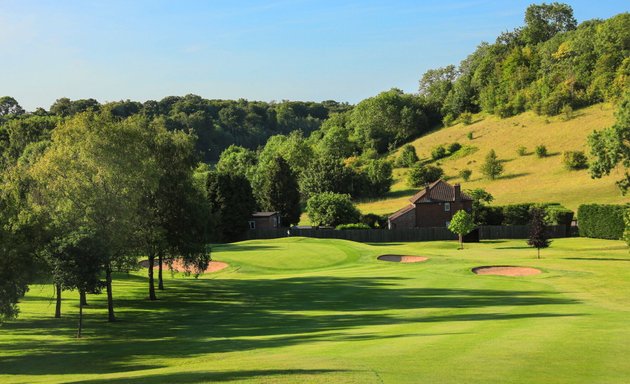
(310, 310)
(526, 178)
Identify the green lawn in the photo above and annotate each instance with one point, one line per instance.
(308, 311)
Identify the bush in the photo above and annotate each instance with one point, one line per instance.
(448, 120)
(421, 175)
(407, 157)
(374, 221)
(574, 160)
(331, 209)
(517, 214)
(489, 215)
(377, 178)
(438, 152)
(466, 118)
(558, 215)
(601, 221)
(470, 135)
(541, 151)
(521, 151)
(353, 226)
(453, 147)
(465, 174)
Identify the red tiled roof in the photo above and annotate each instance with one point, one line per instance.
(401, 212)
(438, 191)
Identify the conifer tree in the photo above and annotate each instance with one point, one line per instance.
(538, 236)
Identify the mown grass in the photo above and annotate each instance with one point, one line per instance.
(322, 310)
(526, 178)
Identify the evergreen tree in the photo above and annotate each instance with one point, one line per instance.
(277, 190)
(492, 167)
(230, 203)
(538, 236)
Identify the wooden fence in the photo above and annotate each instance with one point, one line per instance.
(398, 235)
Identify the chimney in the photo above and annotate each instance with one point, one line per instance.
(427, 191)
(458, 192)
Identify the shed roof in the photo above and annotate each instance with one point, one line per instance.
(264, 214)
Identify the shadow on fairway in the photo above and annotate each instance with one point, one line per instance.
(211, 377)
(196, 317)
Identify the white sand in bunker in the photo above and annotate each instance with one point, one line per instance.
(506, 270)
(178, 266)
(403, 258)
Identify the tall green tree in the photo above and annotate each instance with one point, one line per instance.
(611, 146)
(277, 189)
(543, 21)
(231, 204)
(332, 209)
(93, 176)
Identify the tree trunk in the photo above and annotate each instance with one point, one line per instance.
(58, 305)
(83, 298)
(151, 283)
(461, 241)
(110, 297)
(538, 252)
(80, 316)
(160, 281)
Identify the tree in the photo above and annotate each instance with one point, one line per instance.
(325, 174)
(379, 179)
(10, 106)
(543, 21)
(480, 198)
(492, 167)
(538, 236)
(277, 190)
(407, 157)
(461, 223)
(230, 203)
(92, 176)
(77, 259)
(611, 146)
(421, 175)
(465, 174)
(331, 209)
(238, 160)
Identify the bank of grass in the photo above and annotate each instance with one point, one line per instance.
(322, 310)
(526, 178)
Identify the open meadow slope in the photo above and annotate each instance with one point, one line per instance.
(526, 178)
(313, 310)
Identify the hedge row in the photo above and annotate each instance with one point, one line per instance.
(519, 214)
(602, 221)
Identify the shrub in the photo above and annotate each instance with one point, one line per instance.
(558, 215)
(448, 120)
(466, 118)
(374, 221)
(453, 147)
(438, 152)
(602, 221)
(407, 157)
(574, 160)
(353, 226)
(517, 214)
(465, 174)
(626, 219)
(541, 151)
(489, 215)
(470, 135)
(421, 175)
(331, 209)
(492, 167)
(521, 151)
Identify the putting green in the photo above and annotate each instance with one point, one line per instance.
(327, 311)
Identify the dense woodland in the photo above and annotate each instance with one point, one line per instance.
(88, 188)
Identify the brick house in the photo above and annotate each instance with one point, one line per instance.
(434, 206)
(265, 220)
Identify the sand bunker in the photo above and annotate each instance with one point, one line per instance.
(403, 259)
(178, 266)
(506, 270)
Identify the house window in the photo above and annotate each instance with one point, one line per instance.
(252, 224)
(447, 207)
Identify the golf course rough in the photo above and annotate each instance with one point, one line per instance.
(327, 311)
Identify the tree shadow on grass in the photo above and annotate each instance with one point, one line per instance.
(595, 259)
(511, 176)
(197, 317)
(219, 376)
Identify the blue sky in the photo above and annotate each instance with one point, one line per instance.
(258, 50)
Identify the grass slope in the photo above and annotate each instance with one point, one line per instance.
(323, 310)
(526, 178)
